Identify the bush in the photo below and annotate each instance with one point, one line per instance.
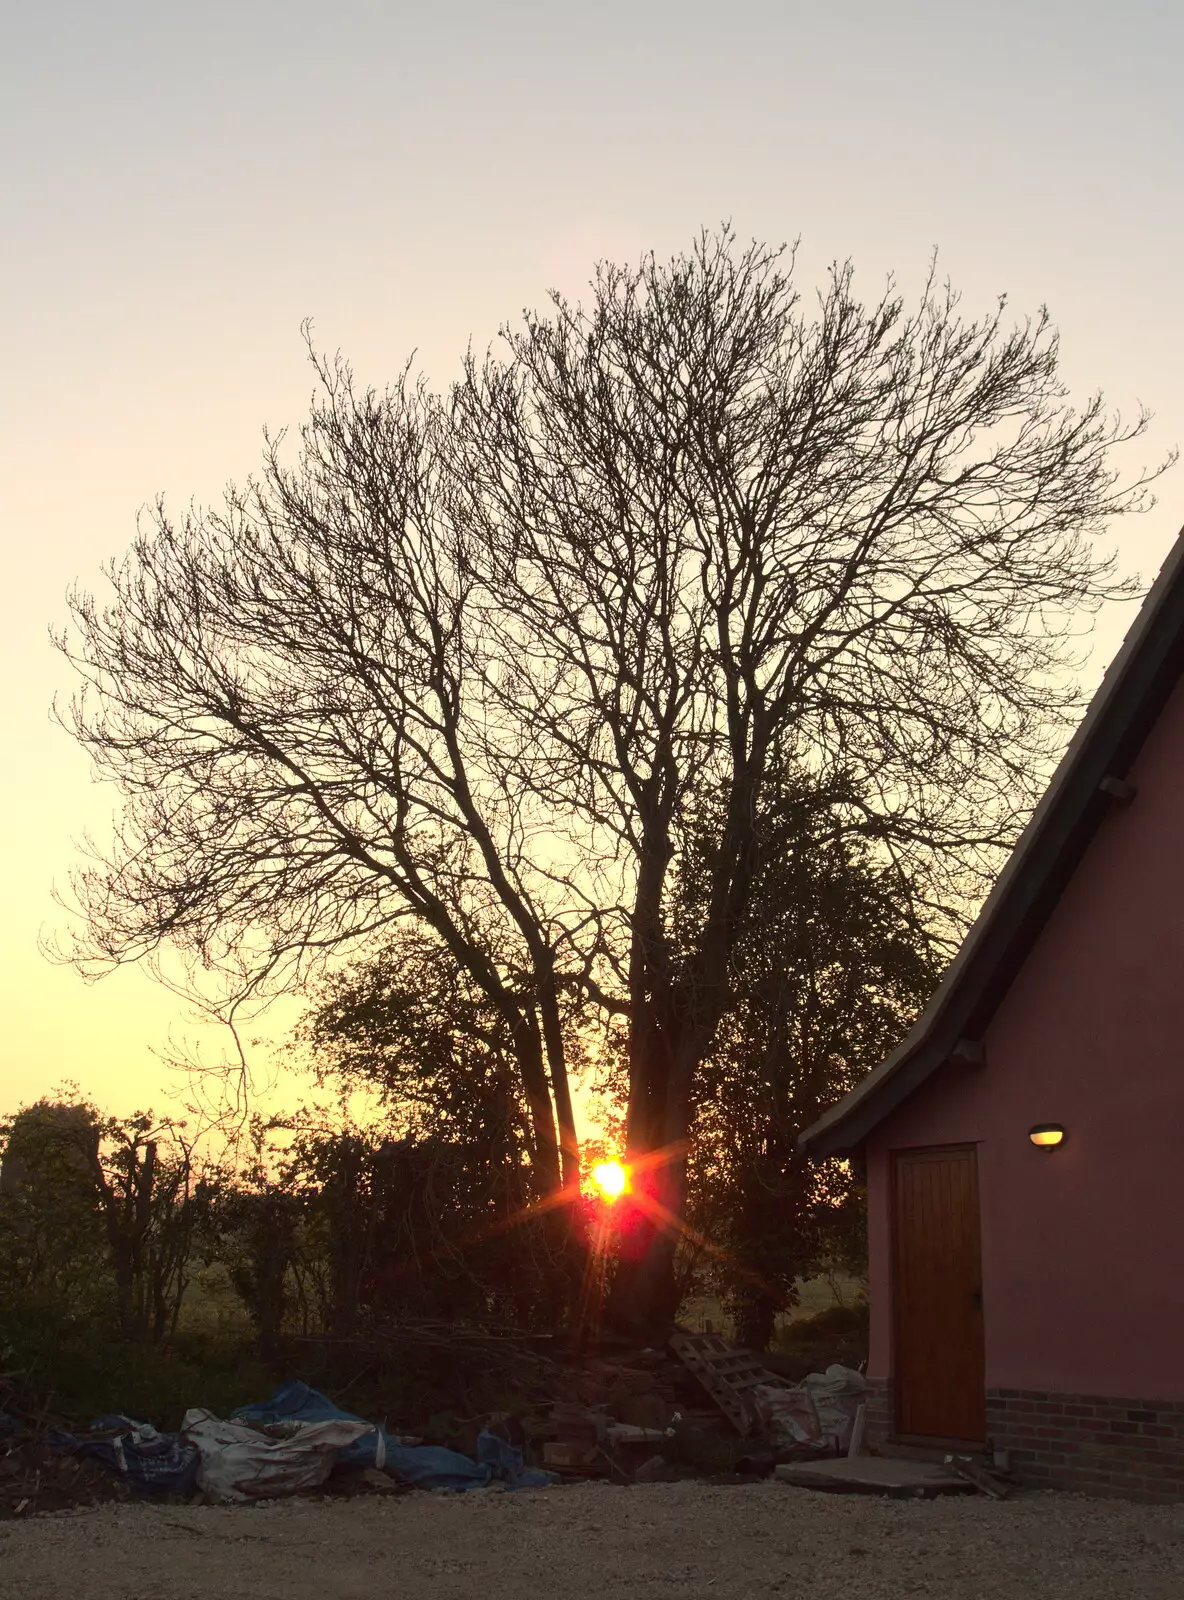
(840, 1333)
(80, 1374)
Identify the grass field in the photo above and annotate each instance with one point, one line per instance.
(705, 1315)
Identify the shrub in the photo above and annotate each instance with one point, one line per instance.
(840, 1333)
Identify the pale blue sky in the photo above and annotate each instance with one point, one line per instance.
(183, 183)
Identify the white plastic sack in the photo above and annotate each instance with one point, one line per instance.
(836, 1394)
(787, 1417)
(240, 1462)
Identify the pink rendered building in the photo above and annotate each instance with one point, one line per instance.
(1030, 1296)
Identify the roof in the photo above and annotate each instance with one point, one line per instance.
(1120, 716)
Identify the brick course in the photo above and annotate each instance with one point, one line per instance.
(1099, 1444)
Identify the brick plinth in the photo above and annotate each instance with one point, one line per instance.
(1098, 1444)
(878, 1419)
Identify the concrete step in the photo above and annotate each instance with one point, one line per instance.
(906, 1479)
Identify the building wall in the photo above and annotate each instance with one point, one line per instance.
(1082, 1288)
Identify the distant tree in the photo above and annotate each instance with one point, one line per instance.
(260, 1236)
(470, 660)
(126, 1184)
(832, 964)
(437, 1205)
(409, 1025)
(53, 1245)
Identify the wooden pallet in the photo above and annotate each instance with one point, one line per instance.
(729, 1375)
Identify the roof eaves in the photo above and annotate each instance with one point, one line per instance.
(1128, 700)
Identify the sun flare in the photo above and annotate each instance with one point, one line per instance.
(611, 1180)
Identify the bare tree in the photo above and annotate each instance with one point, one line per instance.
(733, 539)
(292, 693)
(469, 661)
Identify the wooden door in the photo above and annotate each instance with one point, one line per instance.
(937, 1294)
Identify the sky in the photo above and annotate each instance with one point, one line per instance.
(184, 183)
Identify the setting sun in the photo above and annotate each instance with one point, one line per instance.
(611, 1179)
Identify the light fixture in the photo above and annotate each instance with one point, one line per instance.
(1047, 1135)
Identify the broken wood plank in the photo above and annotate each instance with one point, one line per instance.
(966, 1467)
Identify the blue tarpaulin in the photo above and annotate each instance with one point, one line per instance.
(506, 1461)
(153, 1463)
(425, 1466)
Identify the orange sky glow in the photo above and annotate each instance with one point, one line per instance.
(185, 184)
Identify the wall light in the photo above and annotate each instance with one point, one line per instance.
(1047, 1135)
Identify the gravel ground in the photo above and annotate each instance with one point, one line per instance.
(596, 1542)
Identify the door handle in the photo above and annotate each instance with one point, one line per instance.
(976, 1296)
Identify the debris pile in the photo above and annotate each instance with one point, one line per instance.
(36, 1474)
(696, 1407)
(646, 1415)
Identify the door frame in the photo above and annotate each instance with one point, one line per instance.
(962, 1146)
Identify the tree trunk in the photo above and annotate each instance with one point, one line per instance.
(529, 1053)
(569, 1143)
(756, 1319)
(124, 1267)
(646, 1293)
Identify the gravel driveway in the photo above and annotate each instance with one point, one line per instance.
(594, 1542)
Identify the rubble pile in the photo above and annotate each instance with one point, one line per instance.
(694, 1407)
(35, 1474)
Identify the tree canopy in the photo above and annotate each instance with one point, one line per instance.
(468, 659)
(831, 966)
